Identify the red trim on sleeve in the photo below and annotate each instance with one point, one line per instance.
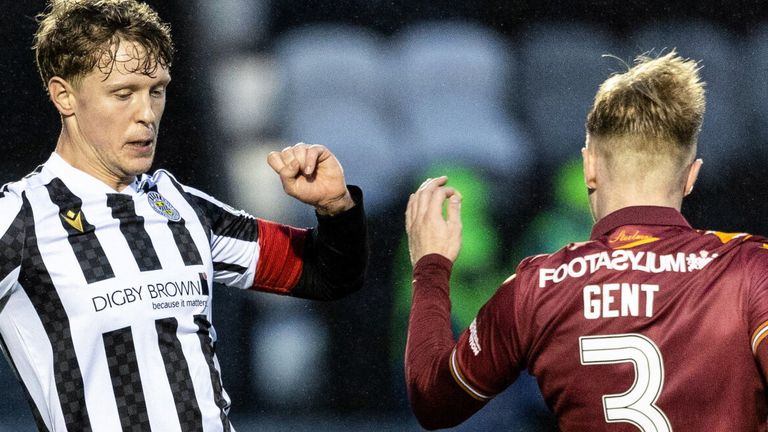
(279, 266)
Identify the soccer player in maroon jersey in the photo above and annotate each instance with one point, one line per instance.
(650, 325)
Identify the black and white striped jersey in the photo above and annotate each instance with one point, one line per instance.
(106, 297)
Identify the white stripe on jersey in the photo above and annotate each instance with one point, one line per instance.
(201, 378)
(160, 405)
(757, 338)
(239, 252)
(98, 390)
(16, 332)
(457, 373)
(11, 206)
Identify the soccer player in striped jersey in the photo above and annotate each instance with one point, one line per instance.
(106, 271)
(650, 325)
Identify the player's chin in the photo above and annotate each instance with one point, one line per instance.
(138, 166)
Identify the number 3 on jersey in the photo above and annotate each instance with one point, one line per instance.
(638, 404)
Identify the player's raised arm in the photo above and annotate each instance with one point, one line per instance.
(324, 263)
(448, 381)
(434, 244)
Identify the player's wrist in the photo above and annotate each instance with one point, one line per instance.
(433, 259)
(336, 205)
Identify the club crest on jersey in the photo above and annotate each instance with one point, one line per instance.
(163, 207)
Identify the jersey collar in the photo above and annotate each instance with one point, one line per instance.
(64, 170)
(639, 215)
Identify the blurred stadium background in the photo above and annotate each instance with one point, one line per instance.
(494, 93)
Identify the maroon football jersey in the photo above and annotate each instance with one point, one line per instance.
(651, 325)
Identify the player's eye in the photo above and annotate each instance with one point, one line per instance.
(122, 95)
(158, 92)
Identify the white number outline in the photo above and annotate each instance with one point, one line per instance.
(638, 404)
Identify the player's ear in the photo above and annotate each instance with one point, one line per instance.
(61, 94)
(693, 174)
(590, 169)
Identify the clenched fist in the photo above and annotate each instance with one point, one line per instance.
(313, 175)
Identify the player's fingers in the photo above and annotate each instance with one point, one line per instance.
(300, 154)
(313, 158)
(434, 182)
(454, 208)
(424, 194)
(436, 201)
(291, 168)
(423, 199)
(275, 160)
(414, 199)
(409, 214)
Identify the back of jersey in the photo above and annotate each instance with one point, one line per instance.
(648, 326)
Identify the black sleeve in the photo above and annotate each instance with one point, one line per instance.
(335, 254)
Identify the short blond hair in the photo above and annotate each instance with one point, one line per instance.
(74, 36)
(655, 108)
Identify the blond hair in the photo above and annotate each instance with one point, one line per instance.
(74, 36)
(654, 109)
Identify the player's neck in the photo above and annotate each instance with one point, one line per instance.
(608, 202)
(77, 154)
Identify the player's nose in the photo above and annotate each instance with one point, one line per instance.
(145, 110)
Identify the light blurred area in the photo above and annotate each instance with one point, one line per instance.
(493, 94)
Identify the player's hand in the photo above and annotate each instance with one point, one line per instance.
(311, 174)
(428, 232)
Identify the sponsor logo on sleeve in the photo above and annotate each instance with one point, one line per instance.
(474, 340)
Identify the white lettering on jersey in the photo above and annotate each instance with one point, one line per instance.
(613, 300)
(474, 341)
(623, 260)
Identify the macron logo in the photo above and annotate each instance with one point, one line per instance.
(74, 219)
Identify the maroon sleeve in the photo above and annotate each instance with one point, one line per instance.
(436, 399)
(486, 358)
(444, 392)
(758, 306)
